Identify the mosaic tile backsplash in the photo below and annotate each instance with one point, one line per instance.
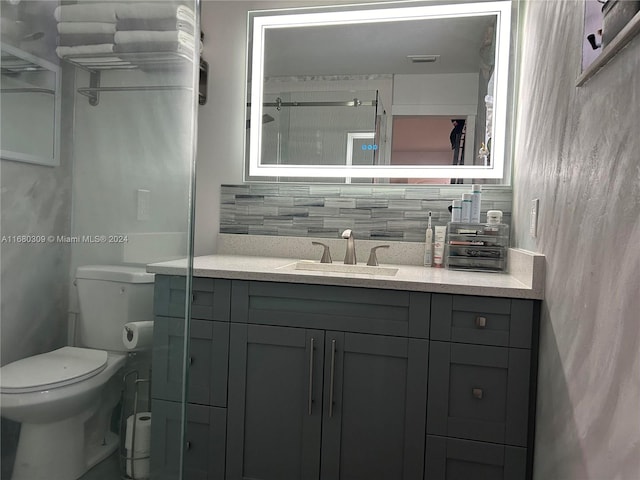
(373, 212)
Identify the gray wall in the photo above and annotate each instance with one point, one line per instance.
(578, 151)
(35, 277)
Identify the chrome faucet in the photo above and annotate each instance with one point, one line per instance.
(350, 255)
(326, 254)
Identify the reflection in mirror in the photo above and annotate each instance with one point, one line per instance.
(432, 140)
(320, 76)
(30, 105)
(294, 136)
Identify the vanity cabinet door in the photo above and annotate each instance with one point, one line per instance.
(167, 374)
(375, 392)
(275, 403)
(479, 393)
(207, 361)
(204, 444)
(455, 459)
(209, 297)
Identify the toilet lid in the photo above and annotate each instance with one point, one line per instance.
(54, 369)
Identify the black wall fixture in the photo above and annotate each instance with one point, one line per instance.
(204, 77)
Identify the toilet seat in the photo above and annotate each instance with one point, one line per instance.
(59, 368)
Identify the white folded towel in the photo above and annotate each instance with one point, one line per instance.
(139, 47)
(160, 24)
(111, 62)
(155, 10)
(76, 39)
(152, 36)
(103, 61)
(84, 50)
(86, 27)
(94, 12)
(133, 49)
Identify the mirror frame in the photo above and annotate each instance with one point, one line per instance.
(261, 23)
(54, 159)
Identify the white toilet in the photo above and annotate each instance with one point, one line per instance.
(64, 399)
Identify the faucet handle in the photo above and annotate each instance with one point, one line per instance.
(373, 259)
(326, 255)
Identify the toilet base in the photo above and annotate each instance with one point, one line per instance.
(62, 453)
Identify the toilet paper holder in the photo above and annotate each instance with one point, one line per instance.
(129, 333)
(135, 423)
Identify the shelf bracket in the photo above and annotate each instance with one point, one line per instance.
(93, 92)
(94, 95)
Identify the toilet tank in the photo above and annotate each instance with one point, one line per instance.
(109, 297)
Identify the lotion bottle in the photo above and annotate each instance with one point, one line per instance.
(456, 211)
(476, 192)
(428, 244)
(466, 208)
(438, 247)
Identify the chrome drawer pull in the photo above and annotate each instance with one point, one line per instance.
(333, 371)
(477, 393)
(313, 341)
(481, 322)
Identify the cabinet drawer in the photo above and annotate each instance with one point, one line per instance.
(347, 309)
(207, 361)
(209, 298)
(478, 393)
(454, 459)
(482, 320)
(205, 441)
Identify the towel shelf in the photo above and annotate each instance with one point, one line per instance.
(91, 92)
(128, 61)
(147, 61)
(47, 91)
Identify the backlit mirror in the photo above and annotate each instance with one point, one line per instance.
(30, 89)
(405, 92)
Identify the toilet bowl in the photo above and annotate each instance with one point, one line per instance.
(55, 395)
(64, 399)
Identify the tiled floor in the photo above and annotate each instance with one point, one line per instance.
(109, 469)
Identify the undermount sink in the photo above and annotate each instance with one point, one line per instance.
(344, 268)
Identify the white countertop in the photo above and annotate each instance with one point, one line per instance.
(525, 281)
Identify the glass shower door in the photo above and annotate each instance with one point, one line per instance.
(120, 197)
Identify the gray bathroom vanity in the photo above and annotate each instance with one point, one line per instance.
(306, 375)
